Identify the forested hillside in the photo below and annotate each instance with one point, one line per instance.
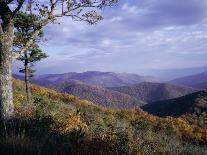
(192, 107)
(151, 92)
(98, 95)
(195, 103)
(63, 124)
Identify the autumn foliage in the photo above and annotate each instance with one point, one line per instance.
(69, 125)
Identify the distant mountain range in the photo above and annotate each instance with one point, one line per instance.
(97, 94)
(109, 89)
(197, 81)
(151, 92)
(170, 74)
(17, 76)
(120, 90)
(192, 104)
(104, 79)
(202, 85)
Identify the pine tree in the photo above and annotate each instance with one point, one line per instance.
(25, 24)
(47, 12)
(29, 58)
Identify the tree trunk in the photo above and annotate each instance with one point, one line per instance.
(6, 91)
(26, 79)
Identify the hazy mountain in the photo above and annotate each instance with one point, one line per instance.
(105, 79)
(197, 80)
(17, 76)
(170, 74)
(151, 92)
(97, 94)
(202, 85)
(195, 103)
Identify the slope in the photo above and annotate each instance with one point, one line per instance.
(193, 80)
(151, 92)
(97, 94)
(195, 103)
(57, 123)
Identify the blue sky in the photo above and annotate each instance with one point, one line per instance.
(134, 35)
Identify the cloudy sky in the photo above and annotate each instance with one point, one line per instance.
(134, 35)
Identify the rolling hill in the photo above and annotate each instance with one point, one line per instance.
(97, 94)
(104, 79)
(195, 103)
(129, 96)
(56, 123)
(151, 92)
(196, 81)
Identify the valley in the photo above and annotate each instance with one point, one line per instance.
(104, 129)
(103, 77)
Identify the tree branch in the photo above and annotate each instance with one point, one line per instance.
(18, 7)
(9, 1)
(53, 4)
(28, 44)
(51, 16)
(18, 53)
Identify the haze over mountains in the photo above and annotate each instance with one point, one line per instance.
(170, 74)
(109, 89)
(119, 90)
(104, 79)
(197, 81)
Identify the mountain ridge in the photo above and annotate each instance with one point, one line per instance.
(130, 96)
(195, 80)
(195, 103)
(104, 79)
(97, 94)
(151, 92)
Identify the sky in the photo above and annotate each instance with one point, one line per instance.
(134, 36)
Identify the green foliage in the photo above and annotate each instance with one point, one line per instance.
(142, 124)
(25, 25)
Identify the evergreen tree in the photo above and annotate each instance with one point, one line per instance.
(25, 25)
(29, 59)
(47, 12)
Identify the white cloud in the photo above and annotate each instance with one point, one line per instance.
(130, 8)
(116, 19)
(170, 28)
(106, 42)
(123, 36)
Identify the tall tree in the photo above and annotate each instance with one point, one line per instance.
(48, 11)
(25, 25)
(6, 42)
(29, 58)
